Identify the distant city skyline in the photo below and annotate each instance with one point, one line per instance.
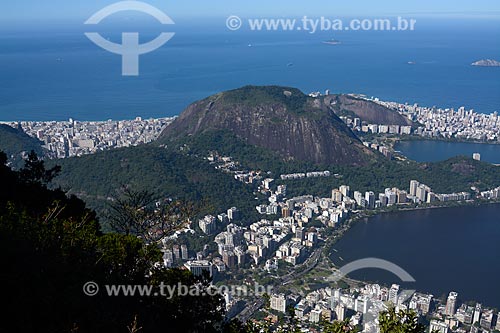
(23, 10)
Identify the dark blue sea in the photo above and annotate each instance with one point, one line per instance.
(53, 72)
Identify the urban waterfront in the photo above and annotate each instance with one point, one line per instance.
(432, 151)
(448, 249)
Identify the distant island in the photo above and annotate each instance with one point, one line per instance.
(487, 63)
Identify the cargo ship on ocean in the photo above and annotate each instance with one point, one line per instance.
(332, 42)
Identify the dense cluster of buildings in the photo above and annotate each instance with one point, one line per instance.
(358, 125)
(387, 152)
(174, 254)
(418, 194)
(492, 194)
(450, 123)
(283, 238)
(362, 306)
(288, 236)
(421, 193)
(285, 234)
(75, 138)
(210, 224)
(463, 318)
(434, 122)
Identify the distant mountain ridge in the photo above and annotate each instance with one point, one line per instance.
(281, 119)
(14, 142)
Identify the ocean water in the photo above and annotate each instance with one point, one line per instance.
(55, 72)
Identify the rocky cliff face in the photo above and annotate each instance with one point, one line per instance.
(281, 119)
(368, 111)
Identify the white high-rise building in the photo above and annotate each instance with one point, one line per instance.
(358, 196)
(438, 327)
(232, 213)
(345, 190)
(361, 304)
(340, 312)
(370, 200)
(392, 197)
(168, 258)
(383, 199)
(357, 122)
(184, 252)
(208, 224)
(477, 313)
(337, 196)
(451, 304)
(486, 321)
(315, 316)
(176, 251)
(197, 267)
(393, 294)
(413, 187)
(279, 302)
(422, 193)
(421, 303)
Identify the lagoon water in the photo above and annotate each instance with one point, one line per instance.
(55, 72)
(433, 151)
(448, 249)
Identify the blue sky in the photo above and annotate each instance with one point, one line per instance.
(64, 10)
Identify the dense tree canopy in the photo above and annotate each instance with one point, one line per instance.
(392, 321)
(51, 245)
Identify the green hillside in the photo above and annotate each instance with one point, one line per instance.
(14, 142)
(181, 171)
(166, 172)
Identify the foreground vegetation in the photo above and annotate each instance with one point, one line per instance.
(51, 245)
